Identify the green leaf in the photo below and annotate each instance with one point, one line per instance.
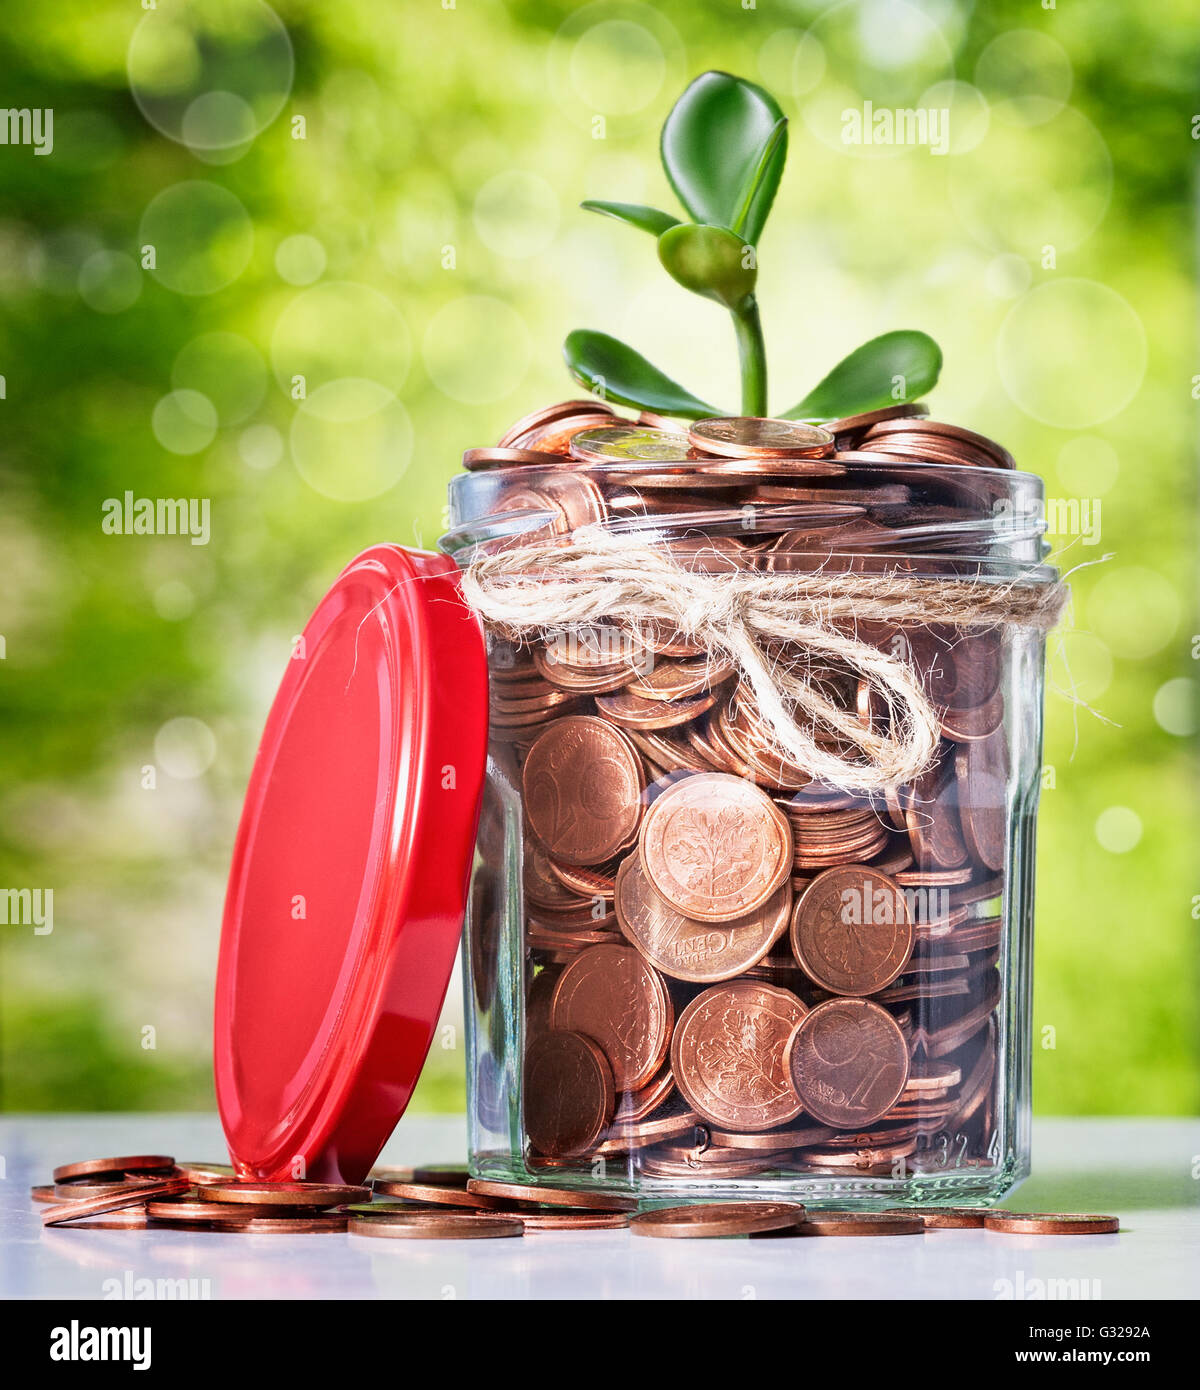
(762, 182)
(613, 370)
(869, 377)
(709, 261)
(713, 141)
(636, 214)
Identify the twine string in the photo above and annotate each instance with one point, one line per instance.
(778, 630)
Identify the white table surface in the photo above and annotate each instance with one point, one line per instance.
(1145, 1171)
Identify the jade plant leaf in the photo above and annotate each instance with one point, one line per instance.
(713, 144)
(710, 261)
(899, 366)
(638, 215)
(613, 370)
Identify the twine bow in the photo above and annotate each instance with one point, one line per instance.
(747, 617)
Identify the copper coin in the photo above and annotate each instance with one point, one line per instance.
(555, 436)
(212, 1213)
(435, 1226)
(614, 997)
(698, 952)
(286, 1194)
(314, 1224)
(851, 931)
(859, 1223)
(114, 1167)
(81, 1190)
(747, 436)
(639, 1105)
(126, 1219)
(770, 1141)
(945, 1218)
(582, 784)
(569, 1094)
(434, 1194)
(717, 1219)
(477, 459)
(549, 415)
(202, 1173)
(42, 1192)
(982, 772)
(1047, 1223)
(573, 1220)
(626, 1135)
(552, 1196)
(715, 847)
(633, 712)
(852, 423)
(728, 1055)
(677, 680)
(97, 1206)
(848, 1062)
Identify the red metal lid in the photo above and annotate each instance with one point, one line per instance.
(349, 877)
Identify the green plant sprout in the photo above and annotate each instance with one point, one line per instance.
(723, 148)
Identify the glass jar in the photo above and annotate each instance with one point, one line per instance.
(692, 971)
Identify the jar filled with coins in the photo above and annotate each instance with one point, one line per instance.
(752, 899)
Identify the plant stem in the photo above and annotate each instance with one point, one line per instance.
(752, 354)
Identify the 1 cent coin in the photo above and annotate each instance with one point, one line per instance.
(614, 997)
(569, 1094)
(286, 1194)
(114, 1167)
(717, 1219)
(552, 1196)
(1048, 1223)
(859, 1223)
(746, 436)
(582, 784)
(728, 1055)
(699, 952)
(426, 1225)
(715, 846)
(851, 931)
(848, 1062)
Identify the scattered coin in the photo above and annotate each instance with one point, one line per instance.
(433, 1194)
(945, 1218)
(434, 1226)
(1047, 1223)
(717, 1219)
(67, 1212)
(287, 1194)
(859, 1223)
(113, 1169)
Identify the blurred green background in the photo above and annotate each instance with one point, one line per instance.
(381, 198)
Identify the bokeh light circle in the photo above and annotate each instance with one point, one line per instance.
(226, 368)
(209, 74)
(1071, 353)
(476, 350)
(201, 235)
(109, 282)
(185, 748)
(1007, 276)
(613, 60)
(1079, 665)
(1053, 192)
(1025, 75)
(300, 259)
(184, 422)
(516, 214)
(1088, 466)
(174, 600)
(260, 446)
(1118, 829)
(340, 329)
(1134, 609)
(351, 439)
(967, 112)
(1175, 707)
(886, 52)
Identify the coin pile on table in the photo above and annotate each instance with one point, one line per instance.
(441, 1202)
(732, 970)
